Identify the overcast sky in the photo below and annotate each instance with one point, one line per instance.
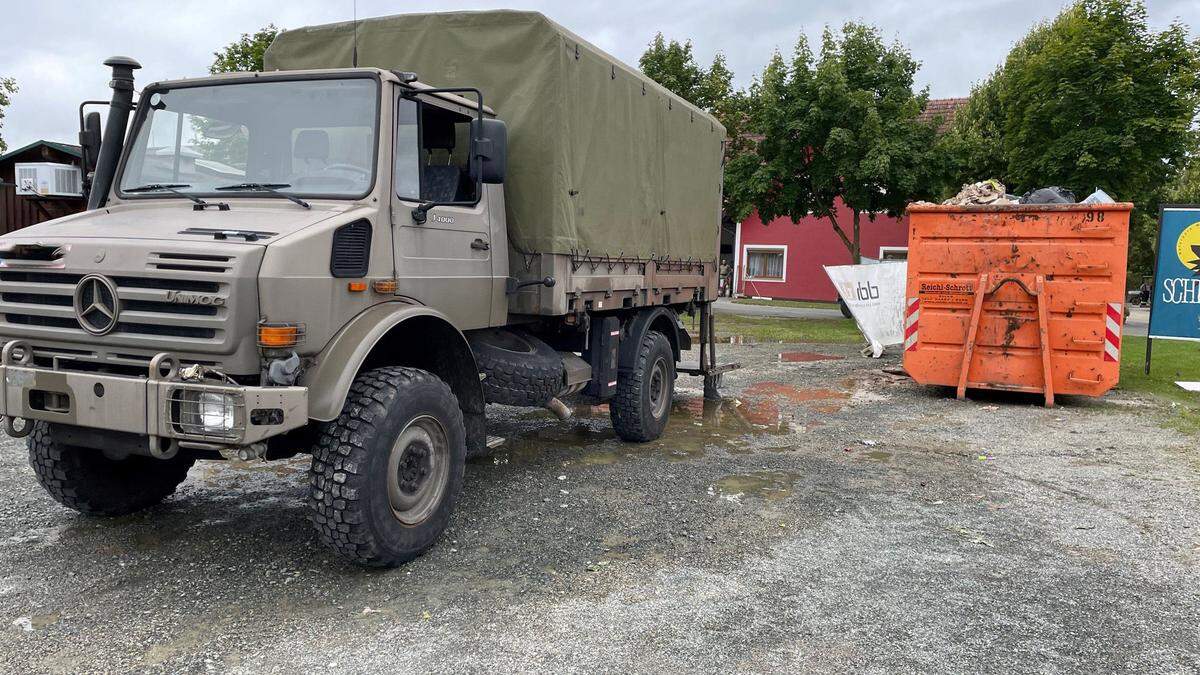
(54, 48)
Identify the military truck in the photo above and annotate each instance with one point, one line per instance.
(350, 255)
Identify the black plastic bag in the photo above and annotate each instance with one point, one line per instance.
(1049, 195)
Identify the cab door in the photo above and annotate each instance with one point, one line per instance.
(446, 261)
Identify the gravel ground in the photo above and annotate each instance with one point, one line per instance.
(826, 516)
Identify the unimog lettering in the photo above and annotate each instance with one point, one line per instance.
(349, 263)
(182, 298)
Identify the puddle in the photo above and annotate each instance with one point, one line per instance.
(806, 357)
(766, 398)
(768, 485)
(792, 393)
(695, 426)
(36, 621)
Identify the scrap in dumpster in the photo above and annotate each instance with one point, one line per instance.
(989, 191)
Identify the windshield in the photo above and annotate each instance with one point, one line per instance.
(305, 137)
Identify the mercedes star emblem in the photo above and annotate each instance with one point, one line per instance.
(96, 304)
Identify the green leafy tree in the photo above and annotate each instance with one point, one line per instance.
(244, 54)
(839, 129)
(8, 87)
(1186, 188)
(1091, 99)
(673, 65)
(971, 149)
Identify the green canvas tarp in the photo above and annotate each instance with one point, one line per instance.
(602, 160)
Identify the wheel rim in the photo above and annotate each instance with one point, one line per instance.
(660, 388)
(418, 469)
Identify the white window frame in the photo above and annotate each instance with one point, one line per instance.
(746, 249)
(885, 249)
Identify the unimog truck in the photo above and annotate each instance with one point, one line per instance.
(350, 255)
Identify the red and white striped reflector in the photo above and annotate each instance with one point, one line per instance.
(911, 314)
(1112, 332)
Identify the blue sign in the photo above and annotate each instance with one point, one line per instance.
(1175, 299)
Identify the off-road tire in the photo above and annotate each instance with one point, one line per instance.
(85, 480)
(349, 483)
(631, 408)
(520, 369)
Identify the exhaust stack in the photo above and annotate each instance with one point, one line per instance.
(114, 128)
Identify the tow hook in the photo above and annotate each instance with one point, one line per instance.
(10, 426)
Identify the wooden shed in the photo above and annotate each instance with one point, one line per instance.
(17, 211)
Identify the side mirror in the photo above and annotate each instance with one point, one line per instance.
(89, 141)
(490, 139)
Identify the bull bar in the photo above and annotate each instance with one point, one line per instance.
(169, 410)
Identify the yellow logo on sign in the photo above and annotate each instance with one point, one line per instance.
(1187, 247)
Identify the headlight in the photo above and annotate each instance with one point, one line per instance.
(216, 412)
(206, 412)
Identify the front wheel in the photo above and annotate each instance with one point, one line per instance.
(88, 481)
(642, 403)
(387, 472)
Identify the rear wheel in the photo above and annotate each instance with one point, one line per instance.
(387, 472)
(88, 481)
(642, 403)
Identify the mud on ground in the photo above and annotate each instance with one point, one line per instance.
(826, 516)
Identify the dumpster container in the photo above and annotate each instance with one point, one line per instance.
(1016, 297)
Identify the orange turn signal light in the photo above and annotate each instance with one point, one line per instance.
(356, 286)
(280, 335)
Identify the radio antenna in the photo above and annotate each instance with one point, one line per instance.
(354, 49)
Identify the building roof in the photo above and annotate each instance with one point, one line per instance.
(944, 108)
(66, 148)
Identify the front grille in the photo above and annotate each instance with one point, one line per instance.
(45, 300)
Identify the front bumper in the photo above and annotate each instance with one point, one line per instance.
(161, 406)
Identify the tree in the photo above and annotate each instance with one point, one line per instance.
(971, 149)
(1091, 99)
(1186, 188)
(245, 54)
(673, 65)
(841, 129)
(8, 87)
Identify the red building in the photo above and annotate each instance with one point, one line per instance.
(785, 260)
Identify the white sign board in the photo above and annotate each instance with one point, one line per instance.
(875, 296)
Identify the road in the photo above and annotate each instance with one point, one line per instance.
(1138, 321)
(728, 306)
(826, 517)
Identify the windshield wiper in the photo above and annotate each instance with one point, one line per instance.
(272, 188)
(200, 204)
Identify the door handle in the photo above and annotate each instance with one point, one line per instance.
(480, 245)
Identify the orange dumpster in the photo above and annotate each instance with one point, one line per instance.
(1016, 297)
